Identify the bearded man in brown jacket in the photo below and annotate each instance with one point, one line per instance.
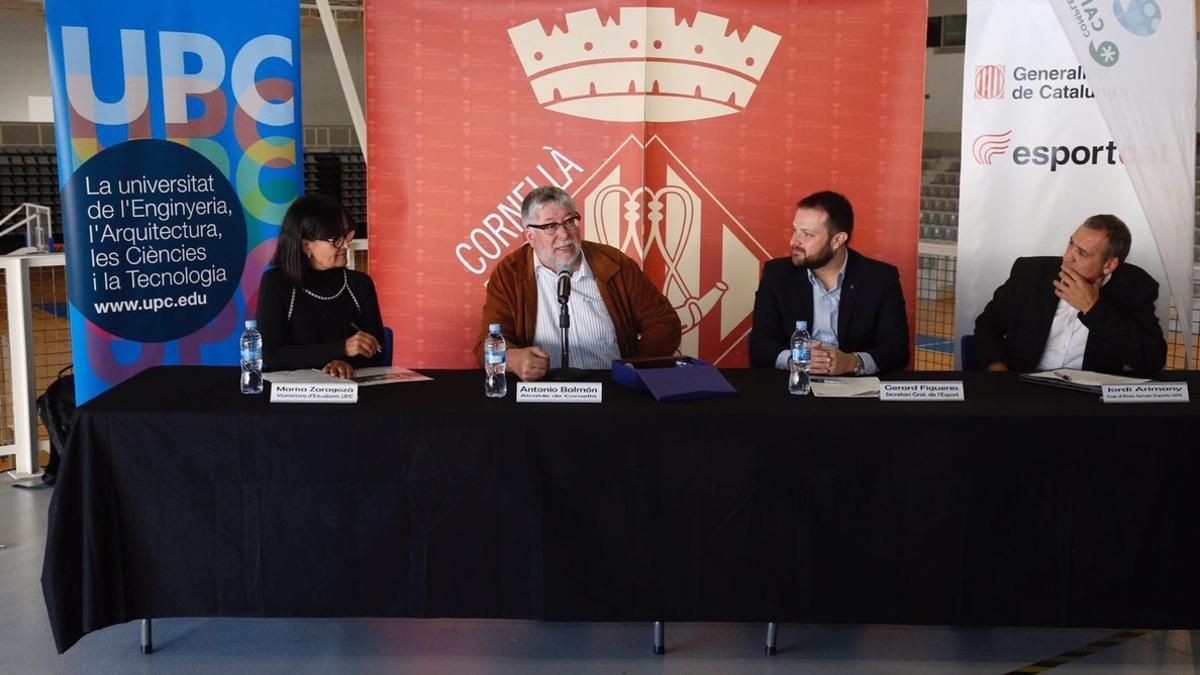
(616, 311)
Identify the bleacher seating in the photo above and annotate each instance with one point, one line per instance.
(29, 173)
(939, 197)
(341, 174)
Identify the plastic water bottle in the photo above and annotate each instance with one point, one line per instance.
(798, 362)
(495, 362)
(251, 359)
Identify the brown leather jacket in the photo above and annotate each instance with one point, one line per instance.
(645, 322)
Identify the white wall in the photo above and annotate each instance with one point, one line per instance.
(324, 104)
(943, 91)
(24, 63)
(943, 78)
(25, 69)
(944, 7)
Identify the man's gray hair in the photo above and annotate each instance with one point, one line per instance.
(1119, 238)
(547, 194)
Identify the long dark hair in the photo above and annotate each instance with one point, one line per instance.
(313, 216)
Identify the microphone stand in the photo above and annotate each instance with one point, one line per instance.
(566, 373)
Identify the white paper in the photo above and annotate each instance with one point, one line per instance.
(1086, 378)
(845, 387)
(369, 377)
(303, 376)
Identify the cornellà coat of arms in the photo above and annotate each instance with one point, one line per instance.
(646, 66)
(650, 66)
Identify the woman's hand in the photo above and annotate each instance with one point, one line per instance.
(362, 344)
(338, 368)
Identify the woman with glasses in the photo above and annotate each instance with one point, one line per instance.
(313, 312)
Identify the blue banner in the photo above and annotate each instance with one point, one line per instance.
(178, 129)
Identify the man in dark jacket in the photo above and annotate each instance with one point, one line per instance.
(853, 304)
(1087, 310)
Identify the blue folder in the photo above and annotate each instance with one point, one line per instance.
(680, 378)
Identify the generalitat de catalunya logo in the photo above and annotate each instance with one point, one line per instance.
(989, 81)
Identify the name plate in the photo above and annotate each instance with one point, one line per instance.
(1150, 392)
(314, 392)
(558, 392)
(921, 391)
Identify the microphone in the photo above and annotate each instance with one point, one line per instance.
(564, 283)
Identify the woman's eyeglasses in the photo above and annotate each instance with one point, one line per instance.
(338, 242)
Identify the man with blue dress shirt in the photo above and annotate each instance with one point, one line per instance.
(853, 304)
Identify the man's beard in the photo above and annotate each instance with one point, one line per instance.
(577, 251)
(815, 262)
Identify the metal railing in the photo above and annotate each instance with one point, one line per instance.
(22, 372)
(39, 235)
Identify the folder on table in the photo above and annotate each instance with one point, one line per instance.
(679, 378)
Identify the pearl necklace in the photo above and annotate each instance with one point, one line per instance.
(345, 285)
(345, 288)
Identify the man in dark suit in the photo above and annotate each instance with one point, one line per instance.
(1088, 310)
(853, 304)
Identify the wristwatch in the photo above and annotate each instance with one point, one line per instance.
(860, 368)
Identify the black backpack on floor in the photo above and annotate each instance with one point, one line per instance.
(55, 408)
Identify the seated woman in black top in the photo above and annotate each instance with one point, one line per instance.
(312, 311)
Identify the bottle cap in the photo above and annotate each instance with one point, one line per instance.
(801, 325)
(493, 328)
(251, 323)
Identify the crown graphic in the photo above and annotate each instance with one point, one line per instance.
(645, 66)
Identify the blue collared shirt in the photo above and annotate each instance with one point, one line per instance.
(825, 307)
(825, 318)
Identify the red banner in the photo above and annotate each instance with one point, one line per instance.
(686, 133)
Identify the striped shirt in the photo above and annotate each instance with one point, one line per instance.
(593, 337)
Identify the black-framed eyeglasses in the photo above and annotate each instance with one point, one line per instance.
(571, 222)
(340, 241)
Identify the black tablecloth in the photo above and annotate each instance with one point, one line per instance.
(1024, 505)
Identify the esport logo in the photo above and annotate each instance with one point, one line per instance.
(988, 146)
